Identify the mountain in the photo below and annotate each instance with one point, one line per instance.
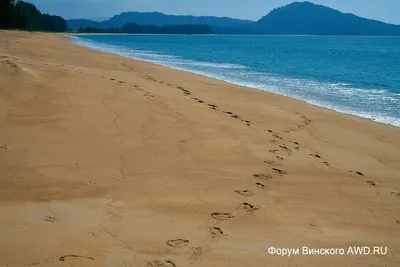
(296, 18)
(77, 23)
(159, 19)
(99, 19)
(311, 19)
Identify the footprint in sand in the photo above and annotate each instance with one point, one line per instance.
(63, 258)
(279, 171)
(233, 115)
(50, 219)
(214, 107)
(307, 122)
(262, 176)
(271, 162)
(294, 142)
(222, 216)
(248, 123)
(286, 149)
(250, 207)
(316, 156)
(148, 95)
(185, 91)
(161, 263)
(277, 136)
(178, 243)
(280, 158)
(260, 185)
(4, 147)
(198, 100)
(326, 164)
(244, 192)
(216, 231)
(371, 183)
(357, 172)
(394, 193)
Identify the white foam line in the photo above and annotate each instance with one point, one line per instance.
(271, 83)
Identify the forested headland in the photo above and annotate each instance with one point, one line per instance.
(25, 16)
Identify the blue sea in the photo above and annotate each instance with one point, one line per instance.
(355, 75)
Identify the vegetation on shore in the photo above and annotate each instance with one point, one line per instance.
(152, 29)
(25, 16)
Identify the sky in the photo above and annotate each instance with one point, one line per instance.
(383, 10)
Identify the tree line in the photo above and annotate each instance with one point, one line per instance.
(25, 16)
(152, 29)
(16, 14)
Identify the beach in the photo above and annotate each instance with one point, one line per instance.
(108, 161)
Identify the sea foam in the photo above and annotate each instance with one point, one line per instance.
(342, 97)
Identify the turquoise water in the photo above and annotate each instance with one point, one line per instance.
(355, 75)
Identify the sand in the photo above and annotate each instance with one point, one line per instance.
(107, 161)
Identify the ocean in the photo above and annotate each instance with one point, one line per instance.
(354, 75)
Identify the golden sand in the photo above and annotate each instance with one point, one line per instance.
(107, 161)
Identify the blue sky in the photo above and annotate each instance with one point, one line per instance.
(384, 10)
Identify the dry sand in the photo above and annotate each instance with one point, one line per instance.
(106, 161)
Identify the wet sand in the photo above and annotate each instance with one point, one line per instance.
(107, 161)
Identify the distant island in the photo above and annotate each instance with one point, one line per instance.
(152, 29)
(311, 19)
(303, 18)
(219, 25)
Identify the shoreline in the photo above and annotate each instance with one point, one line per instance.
(328, 106)
(130, 163)
(227, 34)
